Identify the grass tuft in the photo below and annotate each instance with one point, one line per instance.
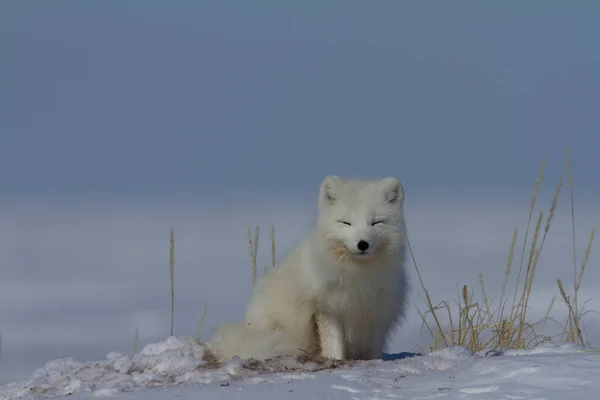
(489, 326)
(573, 327)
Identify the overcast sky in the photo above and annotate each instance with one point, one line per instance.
(147, 97)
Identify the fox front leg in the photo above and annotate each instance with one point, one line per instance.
(331, 336)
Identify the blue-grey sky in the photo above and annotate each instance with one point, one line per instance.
(134, 97)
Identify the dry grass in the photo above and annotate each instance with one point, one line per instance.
(253, 251)
(574, 325)
(201, 324)
(484, 325)
(136, 340)
(172, 275)
(273, 247)
(172, 280)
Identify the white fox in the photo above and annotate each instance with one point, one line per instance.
(341, 291)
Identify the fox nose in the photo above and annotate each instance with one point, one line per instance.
(362, 245)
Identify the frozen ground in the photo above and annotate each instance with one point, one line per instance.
(174, 369)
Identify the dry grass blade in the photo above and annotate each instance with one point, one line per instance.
(172, 276)
(573, 327)
(425, 323)
(537, 252)
(201, 324)
(253, 250)
(536, 190)
(136, 340)
(486, 302)
(522, 308)
(429, 303)
(548, 311)
(586, 257)
(572, 196)
(272, 246)
(511, 254)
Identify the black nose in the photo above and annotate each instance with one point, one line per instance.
(362, 245)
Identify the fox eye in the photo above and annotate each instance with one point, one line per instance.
(345, 223)
(376, 223)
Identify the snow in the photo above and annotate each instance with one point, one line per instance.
(101, 272)
(180, 367)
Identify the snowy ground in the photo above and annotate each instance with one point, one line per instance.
(78, 279)
(174, 369)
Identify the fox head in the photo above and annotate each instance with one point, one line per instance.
(361, 219)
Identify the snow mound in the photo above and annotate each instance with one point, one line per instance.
(179, 360)
(171, 362)
(184, 360)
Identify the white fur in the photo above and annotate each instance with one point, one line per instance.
(327, 297)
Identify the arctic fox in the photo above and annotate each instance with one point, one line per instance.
(341, 291)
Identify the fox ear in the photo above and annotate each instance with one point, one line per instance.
(328, 190)
(392, 190)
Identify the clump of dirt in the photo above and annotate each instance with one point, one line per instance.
(209, 356)
(280, 364)
(211, 359)
(298, 363)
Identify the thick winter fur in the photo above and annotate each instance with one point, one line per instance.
(328, 297)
